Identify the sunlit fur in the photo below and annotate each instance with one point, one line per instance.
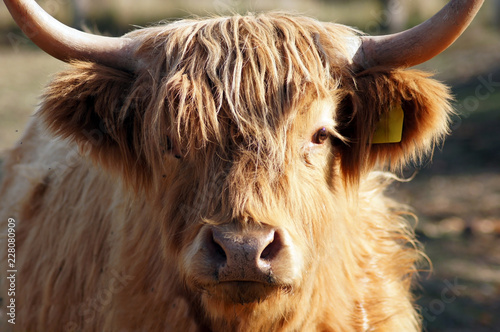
(104, 237)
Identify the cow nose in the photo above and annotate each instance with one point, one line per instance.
(248, 255)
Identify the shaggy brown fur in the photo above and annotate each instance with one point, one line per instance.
(106, 240)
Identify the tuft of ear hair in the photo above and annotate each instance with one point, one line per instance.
(370, 97)
(90, 104)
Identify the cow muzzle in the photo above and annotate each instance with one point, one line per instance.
(244, 265)
(244, 256)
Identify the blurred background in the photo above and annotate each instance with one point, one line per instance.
(456, 195)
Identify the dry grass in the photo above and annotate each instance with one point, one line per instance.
(23, 76)
(128, 12)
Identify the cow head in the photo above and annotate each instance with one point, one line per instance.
(250, 136)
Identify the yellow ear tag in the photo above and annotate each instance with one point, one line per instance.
(390, 127)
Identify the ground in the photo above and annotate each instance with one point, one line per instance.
(457, 199)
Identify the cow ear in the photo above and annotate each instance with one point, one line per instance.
(92, 105)
(391, 117)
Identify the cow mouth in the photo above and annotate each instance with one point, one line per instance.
(246, 292)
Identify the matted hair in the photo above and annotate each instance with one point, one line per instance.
(220, 83)
(205, 81)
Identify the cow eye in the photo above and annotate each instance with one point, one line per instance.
(320, 136)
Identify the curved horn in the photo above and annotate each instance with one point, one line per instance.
(421, 43)
(65, 43)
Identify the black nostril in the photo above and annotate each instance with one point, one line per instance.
(273, 248)
(214, 248)
(219, 251)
